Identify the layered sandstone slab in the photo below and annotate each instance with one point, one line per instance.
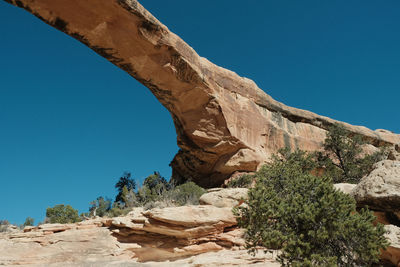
(224, 122)
(175, 236)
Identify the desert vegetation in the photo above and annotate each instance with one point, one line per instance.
(306, 218)
(343, 158)
(293, 206)
(154, 192)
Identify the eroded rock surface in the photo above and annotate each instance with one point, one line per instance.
(392, 253)
(224, 122)
(224, 197)
(380, 190)
(344, 187)
(167, 236)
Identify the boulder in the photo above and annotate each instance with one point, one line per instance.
(224, 123)
(345, 188)
(380, 190)
(394, 153)
(392, 253)
(224, 197)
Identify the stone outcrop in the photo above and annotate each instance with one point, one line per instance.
(392, 253)
(174, 236)
(380, 190)
(224, 197)
(344, 187)
(224, 122)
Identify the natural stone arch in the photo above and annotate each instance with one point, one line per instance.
(224, 122)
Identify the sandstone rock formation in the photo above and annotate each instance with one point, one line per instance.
(224, 122)
(344, 187)
(392, 253)
(224, 197)
(380, 190)
(170, 236)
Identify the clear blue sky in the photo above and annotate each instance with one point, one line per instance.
(72, 123)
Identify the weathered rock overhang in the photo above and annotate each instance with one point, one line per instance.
(224, 122)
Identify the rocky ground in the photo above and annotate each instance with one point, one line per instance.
(203, 235)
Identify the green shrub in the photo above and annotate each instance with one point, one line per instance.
(117, 210)
(184, 194)
(124, 181)
(62, 214)
(153, 188)
(243, 181)
(312, 223)
(129, 198)
(28, 222)
(343, 157)
(99, 207)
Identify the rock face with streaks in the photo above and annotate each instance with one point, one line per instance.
(224, 122)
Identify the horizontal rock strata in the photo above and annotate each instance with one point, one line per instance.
(157, 235)
(224, 122)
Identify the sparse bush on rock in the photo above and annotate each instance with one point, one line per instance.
(243, 181)
(185, 194)
(28, 222)
(62, 214)
(344, 159)
(155, 192)
(100, 206)
(303, 215)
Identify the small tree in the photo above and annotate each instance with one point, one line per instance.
(153, 187)
(100, 207)
(28, 222)
(303, 215)
(62, 214)
(124, 181)
(343, 158)
(129, 198)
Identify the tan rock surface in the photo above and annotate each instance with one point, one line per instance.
(154, 235)
(380, 190)
(224, 122)
(394, 153)
(345, 188)
(392, 253)
(224, 197)
(223, 258)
